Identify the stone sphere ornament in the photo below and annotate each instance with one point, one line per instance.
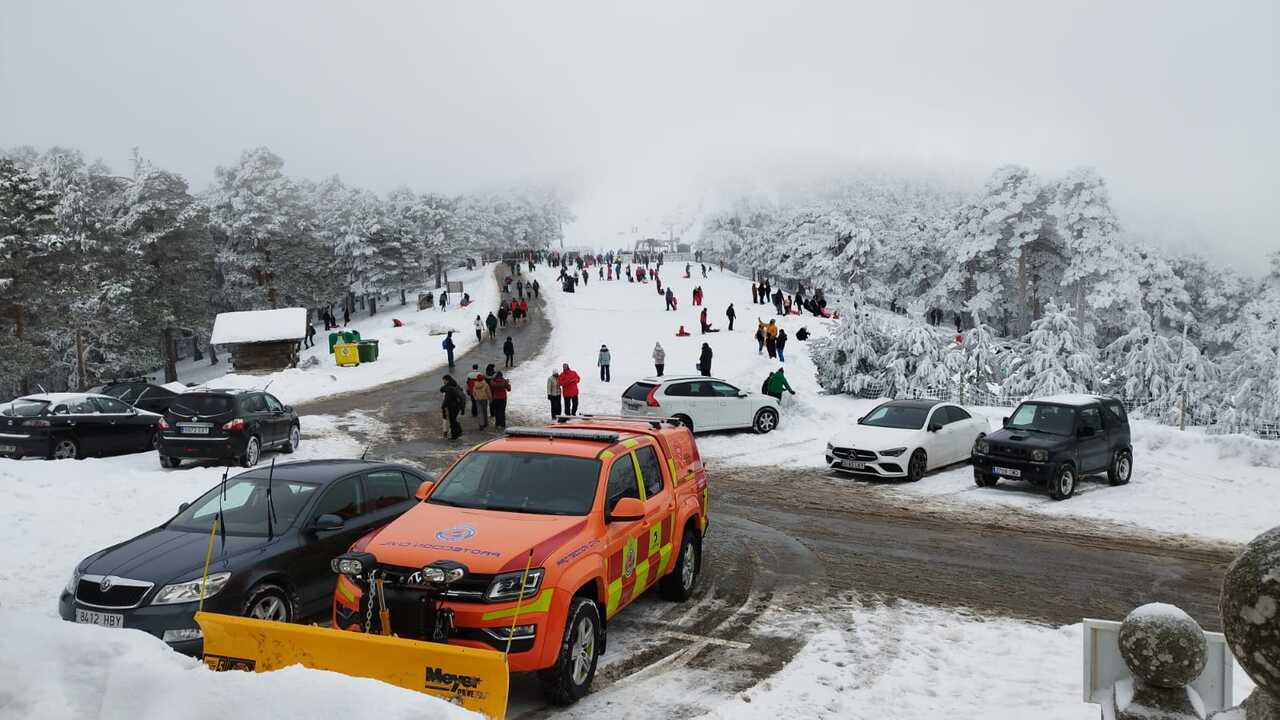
(1250, 610)
(1163, 646)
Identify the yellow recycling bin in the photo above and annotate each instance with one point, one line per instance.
(346, 354)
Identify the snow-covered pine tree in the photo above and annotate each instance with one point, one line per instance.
(852, 358)
(1060, 357)
(916, 363)
(1103, 288)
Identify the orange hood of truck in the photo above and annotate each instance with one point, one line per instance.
(485, 541)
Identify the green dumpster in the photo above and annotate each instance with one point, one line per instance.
(368, 350)
(334, 339)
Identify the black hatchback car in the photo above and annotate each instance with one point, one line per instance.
(1054, 441)
(275, 569)
(60, 426)
(235, 425)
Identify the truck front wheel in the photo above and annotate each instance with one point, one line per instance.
(566, 682)
(679, 584)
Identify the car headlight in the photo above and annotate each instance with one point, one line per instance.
(190, 591)
(893, 452)
(73, 582)
(982, 446)
(507, 586)
(1039, 455)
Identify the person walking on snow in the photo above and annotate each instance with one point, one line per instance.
(448, 346)
(452, 402)
(537, 289)
(492, 323)
(569, 388)
(759, 336)
(509, 352)
(471, 381)
(755, 294)
(731, 314)
(671, 300)
(553, 394)
(782, 343)
(775, 384)
(603, 361)
(311, 336)
(483, 394)
(771, 339)
(704, 361)
(659, 358)
(499, 386)
(479, 329)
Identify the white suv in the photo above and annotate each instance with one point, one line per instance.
(701, 403)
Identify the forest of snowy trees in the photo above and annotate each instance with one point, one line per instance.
(1051, 295)
(99, 271)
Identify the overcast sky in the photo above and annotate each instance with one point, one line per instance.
(640, 105)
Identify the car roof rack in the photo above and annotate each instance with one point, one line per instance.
(564, 433)
(654, 423)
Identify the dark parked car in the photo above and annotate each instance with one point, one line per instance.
(74, 425)
(276, 570)
(141, 394)
(1054, 441)
(226, 425)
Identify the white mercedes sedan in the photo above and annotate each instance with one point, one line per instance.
(906, 439)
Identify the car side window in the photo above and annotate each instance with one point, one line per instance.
(650, 470)
(957, 414)
(1091, 418)
(60, 409)
(272, 404)
(940, 416)
(385, 488)
(343, 499)
(81, 406)
(253, 404)
(1115, 413)
(702, 389)
(723, 389)
(111, 405)
(622, 481)
(680, 390)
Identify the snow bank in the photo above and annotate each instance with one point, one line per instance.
(64, 670)
(1220, 487)
(251, 326)
(403, 351)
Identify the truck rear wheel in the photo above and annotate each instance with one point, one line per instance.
(566, 682)
(679, 584)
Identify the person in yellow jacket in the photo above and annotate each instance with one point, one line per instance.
(771, 339)
(482, 394)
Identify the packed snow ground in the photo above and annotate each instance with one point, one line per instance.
(1185, 483)
(402, 351)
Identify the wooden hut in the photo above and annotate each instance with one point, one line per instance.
(261, 341)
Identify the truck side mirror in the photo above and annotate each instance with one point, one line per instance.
(934, 427)
(424, 489)
(626, 510)
(327, 522)
(1004, 422)
(183, 506)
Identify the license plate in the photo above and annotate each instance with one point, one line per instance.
(1007, 472)
(92, 617)
(195, 429)
(8, 448)
(851, 465)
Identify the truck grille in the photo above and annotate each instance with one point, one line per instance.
(121, 593)
(1009, 452)
(853, 453)
(471, 587)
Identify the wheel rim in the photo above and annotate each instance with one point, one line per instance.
(270, 608)
(584, 650)
(64, 450)
(766, 422)
(1123, 467)
(251, 452)
(690, 567)
(294, 437)
(1066, 483)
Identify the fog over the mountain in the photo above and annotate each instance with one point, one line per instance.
(643, 106)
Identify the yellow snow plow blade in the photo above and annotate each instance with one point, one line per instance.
(474, 679)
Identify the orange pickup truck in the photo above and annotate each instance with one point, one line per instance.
(589, 513)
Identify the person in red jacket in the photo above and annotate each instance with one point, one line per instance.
(569, 389)
(500, 386)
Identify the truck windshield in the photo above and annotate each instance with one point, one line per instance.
(1052, 419)
(521, 482)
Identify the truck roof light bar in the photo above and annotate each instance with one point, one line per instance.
(564, 433)
(654, 423)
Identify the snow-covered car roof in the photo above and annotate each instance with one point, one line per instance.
(1076, 400)
(58, 397)
(678, 378)
(254, 326)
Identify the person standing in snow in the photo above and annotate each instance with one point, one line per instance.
(569, 389)
(537, 289)
(603, 361)
(448, 346)
(452, 402)
(492, 323)
(479, 329)
(759, 336)
(782, 344)
(671, 300)
(775, 384)
(704, 360)
(509, 352)
(482, 394)
(471, 381)
(755, 294)
(311, 336)
(659, 358)
(731, 314)
(502, 315)
(771, 339)
(499, 386)
(346, 315)
(553, 394)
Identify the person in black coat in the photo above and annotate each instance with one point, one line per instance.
(731, 314)
(704, 360)
(509, 351)
(448, 346)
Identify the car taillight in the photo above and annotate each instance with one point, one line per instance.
(234, 425)
(35, 423)
(164, 424)
(652, 398)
